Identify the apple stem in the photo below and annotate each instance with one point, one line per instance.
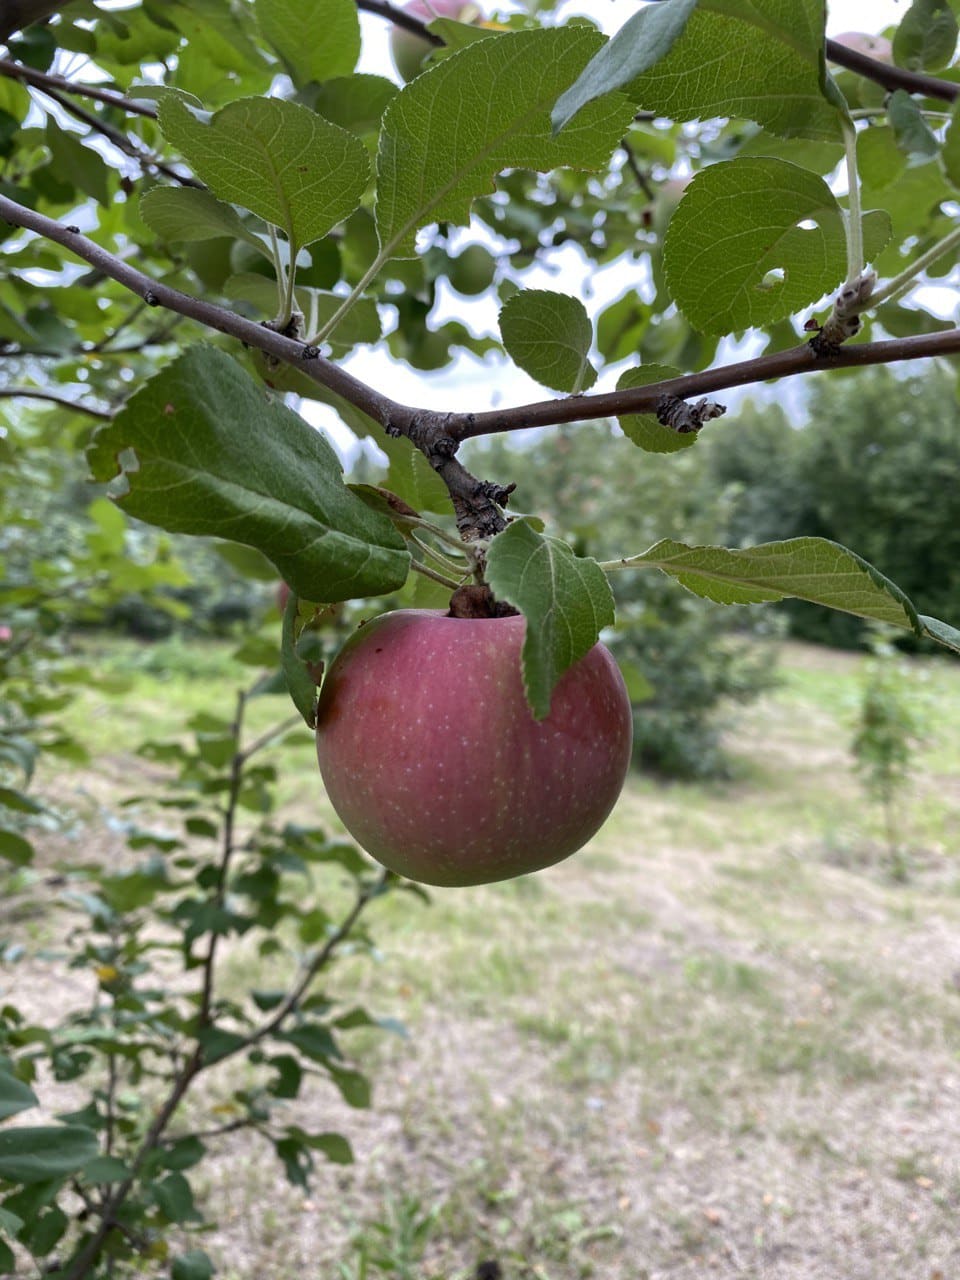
(419, 567)
(439, 559)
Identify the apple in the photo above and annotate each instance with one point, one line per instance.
(471, 272)
(877, 47)
(435, 765)
(409, 50)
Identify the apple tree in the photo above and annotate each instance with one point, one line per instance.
(211, 219)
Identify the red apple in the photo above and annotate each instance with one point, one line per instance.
(877, 47)
(409, 50)
(433, 760)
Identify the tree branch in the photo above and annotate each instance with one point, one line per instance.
(891, 77)
(383, 9)
(59, 84)
(291, 1002)
(437, 434)
(783, 364)
(34, 393)
(56, 87)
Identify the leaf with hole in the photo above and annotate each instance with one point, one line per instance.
(753, 240)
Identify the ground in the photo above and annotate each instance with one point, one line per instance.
(721, 1041)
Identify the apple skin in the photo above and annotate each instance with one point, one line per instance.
(407, 50)
(432, 758)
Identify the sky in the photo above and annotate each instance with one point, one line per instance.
(471, 384)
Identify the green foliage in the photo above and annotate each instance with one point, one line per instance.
(232, 874)
(278, 159)
(887, 733)
(874, 467)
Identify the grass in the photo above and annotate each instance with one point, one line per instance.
(721, 1040)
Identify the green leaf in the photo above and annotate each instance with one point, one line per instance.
(202, 449)
(316, 38)
(11, 799)
(565, 599)
(640, 44)
(942, 632)
(740, 58)
(15, 848)
(314, 1041)
(175, 1198)
(15, 1096)
(643, 428)
(276, 158)
(45, 1232)
(736, 254)
(879, 159)
(354, 102)
(549, 336)
(354, 1087)
(926, 37)
(189, 213)
(813, 569)
(77, 164)
(914, 136)
(38, 1154)
(102, 1169)
(192, 1265)
(246, 561)
(333, 1145)
(300, 683)
(442, 143)
(183, 1154)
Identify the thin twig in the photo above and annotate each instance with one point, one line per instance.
(34, 393)
(399, 18)
(121, 141)
(292, 1000)
(226, 854)
(641, 179)
(47, 81)
(265, 738)
(419, 567)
